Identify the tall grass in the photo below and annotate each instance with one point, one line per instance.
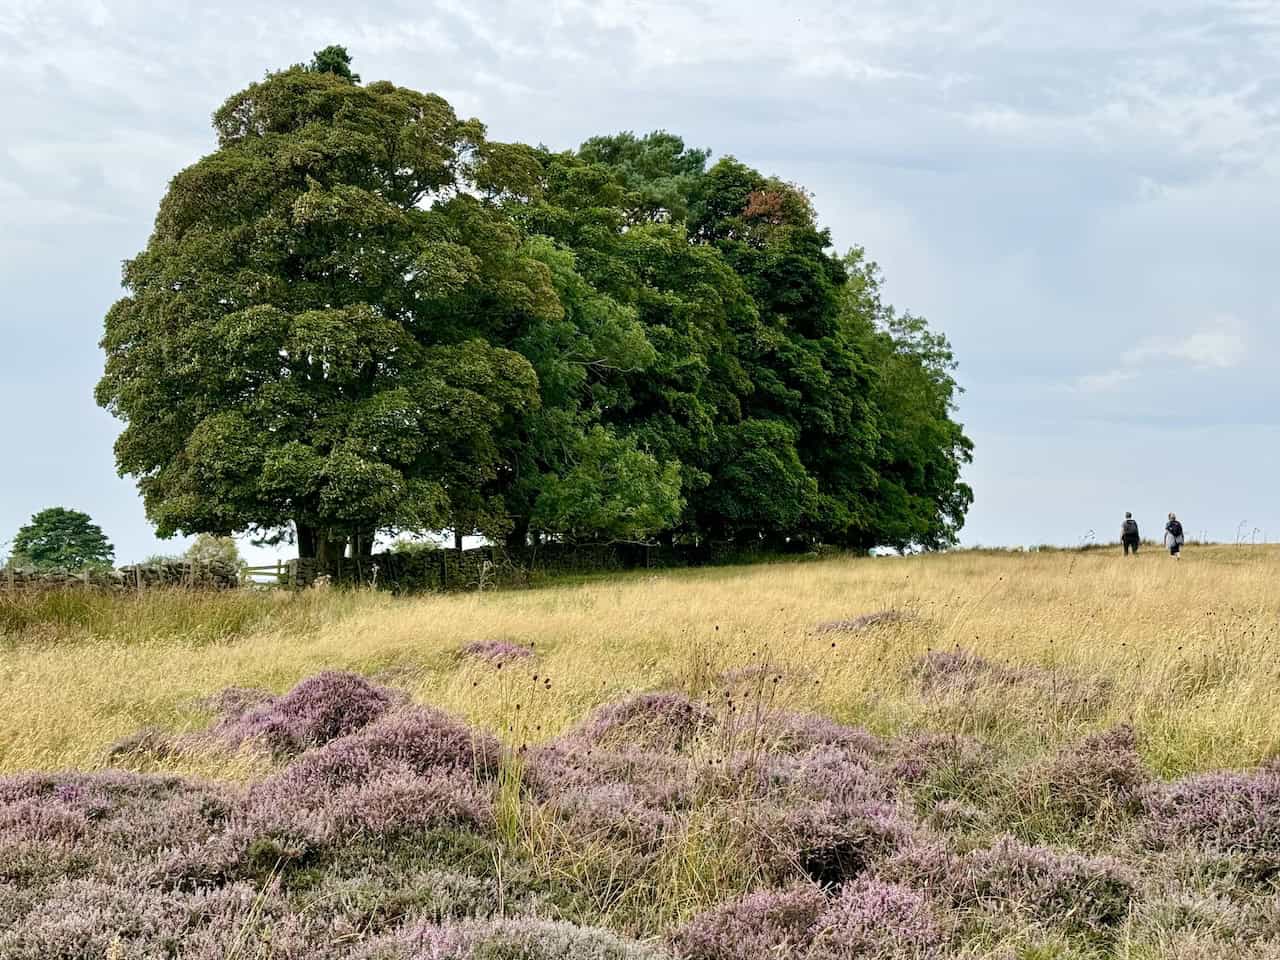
(1184, 651)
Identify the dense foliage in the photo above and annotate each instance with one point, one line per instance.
(61, 539)
(360, 315)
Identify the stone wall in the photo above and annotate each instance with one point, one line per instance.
(173, 573)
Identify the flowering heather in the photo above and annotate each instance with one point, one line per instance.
(517, 939)
(790, 732)
(570, 764)
(956, 816)
(614, 812)
(1225, 813)
(496, 651)
(954, 762)
(322, 708)
(1101, 772)
(148, 743)
(878, 921)
(405, 802)
(864, 622)
(232, 702)
(830, 843)
(956, 671)
(418, 740)
(668, 721)
(1064, 887)
(85, 919)
(959, 672)
(768, 923)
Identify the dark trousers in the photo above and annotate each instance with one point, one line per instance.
(1130, 543)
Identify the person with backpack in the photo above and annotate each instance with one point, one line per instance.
(1129, 534)
(1173, 537)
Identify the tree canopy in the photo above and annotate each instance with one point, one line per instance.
(360, 315)
(61, 539)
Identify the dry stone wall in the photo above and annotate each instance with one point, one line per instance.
(203, 575)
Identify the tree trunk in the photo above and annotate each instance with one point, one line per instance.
(306, 540)
(518, 538)
(329, 554)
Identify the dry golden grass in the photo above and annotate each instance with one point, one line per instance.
(1186, 651)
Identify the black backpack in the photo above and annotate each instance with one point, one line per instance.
(1175, 528)
(1131, 528)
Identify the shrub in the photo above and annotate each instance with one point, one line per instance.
(668, 721)
(960, 672)
(863, 622)
(496, 651)
(1068, 888)
(788, 732)
(1103, 772)
(1225, 813)
(518, 939)
(948, 765)
(316, 711)
(572, 764)
(829, 843)
(417, 740)
(878, 921)
(768, 923)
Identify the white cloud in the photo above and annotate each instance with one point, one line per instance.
(1220, 345)
(1105, 382)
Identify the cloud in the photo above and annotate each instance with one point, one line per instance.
(1220, 345)
(1105, 382)
(1062, 188)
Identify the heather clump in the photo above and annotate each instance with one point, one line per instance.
(1101, 775)
(767, 923)
(514, 939)
(938, 766)
(318, 710)
(828, 843)
(414, 740)
(959, 673)
(667, 721)
(87, 919)
(496, 652)
(878, 921)
(795, 732)
(1236, 814)
(865, 621)
(380, 894)
(664, 780)
(868, 918)
(1063, 887)
(955, 671)
(111, 823)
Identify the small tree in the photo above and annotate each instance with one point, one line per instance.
(334, 59)
(209, 548)
(61, 539)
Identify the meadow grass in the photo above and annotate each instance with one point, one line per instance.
(994, 789)
(1186, 652)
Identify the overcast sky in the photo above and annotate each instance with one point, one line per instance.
(1084, 196)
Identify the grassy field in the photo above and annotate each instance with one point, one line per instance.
(1191, 649)
(1026, 785)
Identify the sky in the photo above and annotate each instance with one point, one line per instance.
(1084, 196)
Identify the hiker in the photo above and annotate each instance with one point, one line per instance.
(1129, 534)
(1173, 537)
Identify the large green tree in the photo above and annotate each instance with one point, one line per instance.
(359, 315)
(799, 407)
(61, 539)
(303, 345)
